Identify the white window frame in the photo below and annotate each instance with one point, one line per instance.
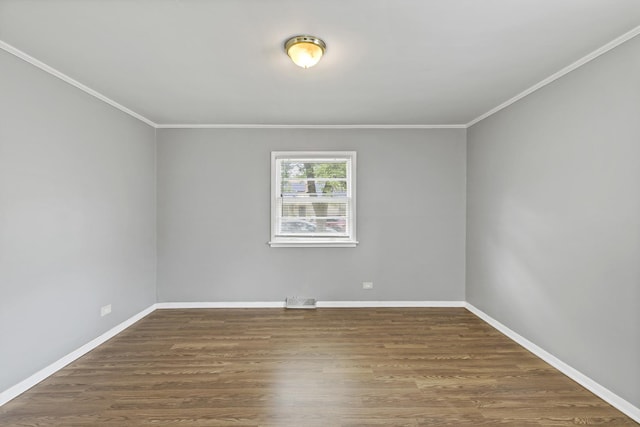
(318, 241)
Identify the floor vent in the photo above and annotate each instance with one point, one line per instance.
(297, 302)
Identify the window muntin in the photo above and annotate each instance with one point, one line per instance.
(313, 199)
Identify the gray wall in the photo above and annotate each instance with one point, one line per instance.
(553, 245)
(214, 209)
(77, 218)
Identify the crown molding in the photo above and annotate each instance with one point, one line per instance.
(566, 70)
(59, 74)
(65, 78)
(265, 126)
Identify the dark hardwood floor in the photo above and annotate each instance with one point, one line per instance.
(325, 367)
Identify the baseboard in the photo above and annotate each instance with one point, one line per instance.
(42, 374)
(387, 304)
(233, 304)
(24, 385)
(319, 304)
(604, 393)
(597, 389)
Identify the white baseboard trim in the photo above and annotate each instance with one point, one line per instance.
(597, 389)
(604, 393)
(232, 304)
(319, 304)
(387, 304)
(42, 374)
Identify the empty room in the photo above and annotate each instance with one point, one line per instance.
(340, 213)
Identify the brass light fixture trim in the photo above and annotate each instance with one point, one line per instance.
(304, 50)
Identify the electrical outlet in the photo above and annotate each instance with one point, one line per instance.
(367, 285)
(105, 310)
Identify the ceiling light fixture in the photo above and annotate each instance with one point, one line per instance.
(305, 51)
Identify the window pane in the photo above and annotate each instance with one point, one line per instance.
(310, 217)
(313, 169)
(313, 187)
(313, 177)
(307, 208)
(312, 228)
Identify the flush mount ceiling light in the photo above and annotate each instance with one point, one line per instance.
(305, 51)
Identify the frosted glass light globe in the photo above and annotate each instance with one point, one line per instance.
(305, 51)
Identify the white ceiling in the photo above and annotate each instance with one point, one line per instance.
(391, 62)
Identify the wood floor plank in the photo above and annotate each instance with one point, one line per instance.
(326, 367)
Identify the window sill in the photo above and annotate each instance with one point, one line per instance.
(313, 244)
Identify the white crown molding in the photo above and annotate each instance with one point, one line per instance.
(577, 64)
(44, 67)
(591, 385)
(34, 379)
(264, 126)
(566, 70)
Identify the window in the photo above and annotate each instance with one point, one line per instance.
(313, 198)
